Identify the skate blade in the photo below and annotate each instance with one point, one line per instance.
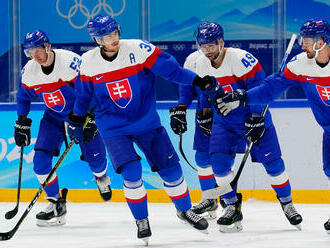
(298, 227)
(145, 241)
(328, 231)
(58, 221)
(187, 224)
(235, 227)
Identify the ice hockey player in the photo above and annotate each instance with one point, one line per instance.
(120, 75)
(203, 126)
(50, 74)
(237, 69)
(311, 70)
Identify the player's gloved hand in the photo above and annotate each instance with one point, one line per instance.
(230, 101)
(23, 131)
(205, 121)
(211, 87)
(178, 119)
(90, 131)
(255, 128)
(75, 127)
(207, 83)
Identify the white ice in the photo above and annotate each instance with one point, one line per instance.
(101, 225)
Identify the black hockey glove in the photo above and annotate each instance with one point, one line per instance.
(75, 127)
(178, 119)
(210, 86)
(255, 128)
(207, 83)
(205, 121)
(90, 131)
(230, 101)
(23, 131)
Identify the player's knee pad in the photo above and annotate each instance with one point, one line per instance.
(171, 174)
(275, 167)
(202, 159)
(42, 162)
(132, 171)
(221, 163)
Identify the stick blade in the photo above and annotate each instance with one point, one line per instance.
(6, 236)
(11, 214)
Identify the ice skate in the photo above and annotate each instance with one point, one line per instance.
(222, 202)
(327, 226)
(54, 214)
(103, 184)
(144, 231)
(230, 221)
(206, 208)
(194, 220)
(292, 215)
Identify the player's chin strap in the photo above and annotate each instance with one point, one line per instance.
(318, 50)
(220, 51)
(48, 50)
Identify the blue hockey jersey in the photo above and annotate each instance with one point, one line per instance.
(124, 89)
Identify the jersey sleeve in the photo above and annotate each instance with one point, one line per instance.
(84, 90)
(165, 65)
(271, 87)
(187, 93)
(24, 98)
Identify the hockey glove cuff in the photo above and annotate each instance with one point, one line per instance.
(205, 121)
(178, 119)
(75, 127)
(255, 128)
(90, 131)
(22, 133)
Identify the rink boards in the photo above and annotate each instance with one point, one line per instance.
(299, 135)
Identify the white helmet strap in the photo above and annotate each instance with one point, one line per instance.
(318, 50)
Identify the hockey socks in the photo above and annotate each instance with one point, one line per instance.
(136, 198)
(281, 185)
(42, 166)
(179, 194)
(206, 178)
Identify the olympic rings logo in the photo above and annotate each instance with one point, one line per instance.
(83, 9)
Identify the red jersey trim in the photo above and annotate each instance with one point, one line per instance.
(234, 79)
(49, 87)
(124, 72)
(324, 81)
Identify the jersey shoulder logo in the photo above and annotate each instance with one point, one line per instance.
(324, 93)
(120, 92)
(54, 100)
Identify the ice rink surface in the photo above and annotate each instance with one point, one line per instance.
(102, 225)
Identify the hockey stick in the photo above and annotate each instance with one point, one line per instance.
(11, 214)
(182, 153)
(214, 193)
(8, 235)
